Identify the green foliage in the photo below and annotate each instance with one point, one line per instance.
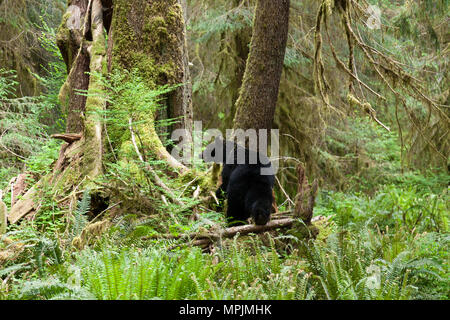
(41, 162)
(353, 268)
(401, 231)
(129, 97)
(51, 289)
(387, 236)
(145, 275)
(54, 75)
(39, 256)
(220, 20)
(433, 255)
(79, 219)
(391, 206)
(20, 127)
(46, 251)
(50, 218)
(25, 122)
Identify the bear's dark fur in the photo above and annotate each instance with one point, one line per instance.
(249, 193)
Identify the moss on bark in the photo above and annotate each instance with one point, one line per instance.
(152, 40)
(256, 104)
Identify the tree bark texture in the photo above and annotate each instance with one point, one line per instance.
(74, 52)
(151, 36)
(148, 36)
(258, 96)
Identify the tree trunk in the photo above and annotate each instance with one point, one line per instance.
(151, 36)
(255, 107)
(75, 55)
(143, 35)
(241, 42)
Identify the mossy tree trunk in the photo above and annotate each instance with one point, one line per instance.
(74, 52)
(114, 35)
(148, 36)
(255, 107)
(151, 36)
(241, 46)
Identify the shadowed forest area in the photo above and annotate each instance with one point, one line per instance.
(95, 204)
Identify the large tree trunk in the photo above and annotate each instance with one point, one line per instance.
(75, 55)
(151, 35)
(255, 107)
(143, 35)
(241, 45)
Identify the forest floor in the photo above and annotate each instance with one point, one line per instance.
(392, 244)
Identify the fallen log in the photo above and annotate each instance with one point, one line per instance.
(251, 228)
(24, 206)
(203, 239)
(3, 215)
(18, 187)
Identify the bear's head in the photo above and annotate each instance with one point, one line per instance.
(260, 212)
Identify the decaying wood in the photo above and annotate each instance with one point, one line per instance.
(67, 137)
(17, 186)
(251, 228)
(73, 49)
(211, 236)
(306, 197)
(3, 215)
(23, 207)
(206, 238)
(61, 158)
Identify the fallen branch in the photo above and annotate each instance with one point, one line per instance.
(228, 232)
(67, 137)
(251, 228)
(24, 206)
(204, 239)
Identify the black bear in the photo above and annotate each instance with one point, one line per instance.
(247, 182)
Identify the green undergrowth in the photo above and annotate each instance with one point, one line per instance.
(389, 243)
(392, 245)
(384, 236)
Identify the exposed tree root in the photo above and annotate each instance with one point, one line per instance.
(155, 177)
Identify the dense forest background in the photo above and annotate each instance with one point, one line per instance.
(363, 105)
